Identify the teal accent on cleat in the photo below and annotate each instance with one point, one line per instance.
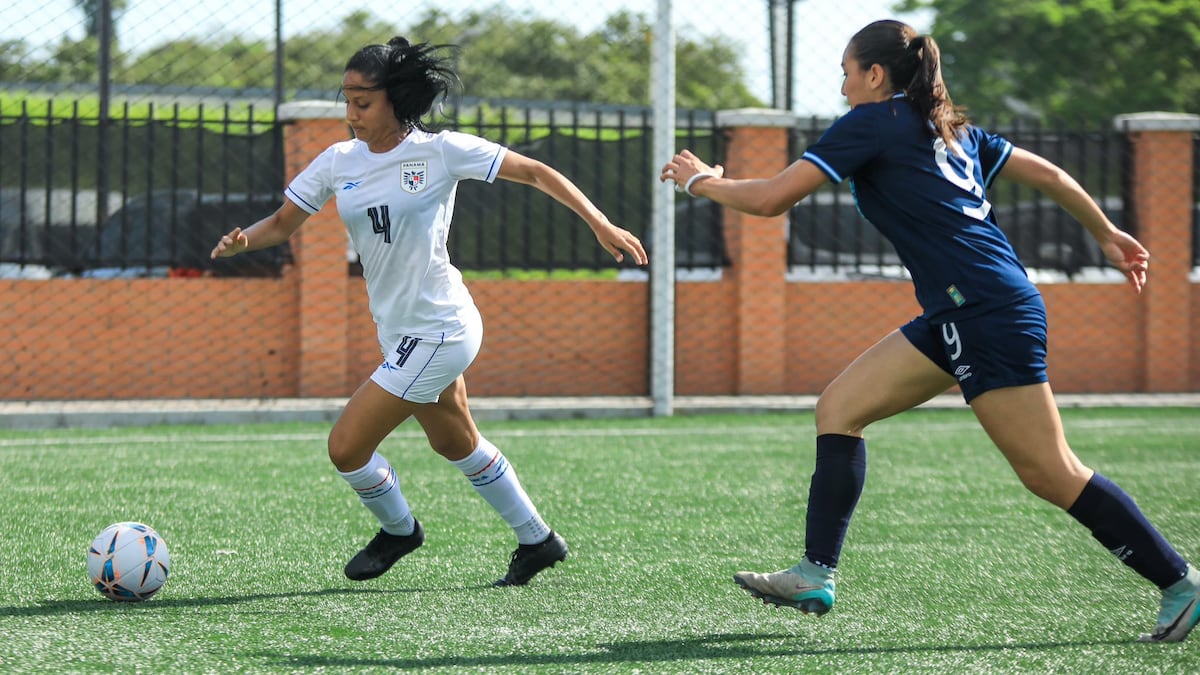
(1180, 610)
(806, 587)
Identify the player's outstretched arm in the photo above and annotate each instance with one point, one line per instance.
(1122, 250)
(617, 241)
(270, 231)
(756, 196)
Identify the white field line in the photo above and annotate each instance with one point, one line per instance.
(81, 440)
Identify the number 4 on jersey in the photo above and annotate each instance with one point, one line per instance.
(380, 222)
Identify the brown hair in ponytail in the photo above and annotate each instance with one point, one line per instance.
(913, 64)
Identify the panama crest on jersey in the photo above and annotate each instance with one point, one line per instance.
(414, 176)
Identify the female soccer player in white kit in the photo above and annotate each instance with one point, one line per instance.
(395, 184)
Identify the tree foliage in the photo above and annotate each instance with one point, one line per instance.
(500, 54)
(91, 14)
(1075, 60)
(504, 56)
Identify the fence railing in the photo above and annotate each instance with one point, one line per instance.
(607, 151)
(141, 192)
(174, 178)
(147, 191)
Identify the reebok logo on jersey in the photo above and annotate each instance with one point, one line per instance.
(962, 372)
(351, 185)
(414, 176)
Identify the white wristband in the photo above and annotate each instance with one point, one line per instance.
(692, 181)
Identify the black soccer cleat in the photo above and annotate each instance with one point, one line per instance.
(529, 559)
(383, 552)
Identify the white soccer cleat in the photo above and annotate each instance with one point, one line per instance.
(807, 587)
(1180, 611)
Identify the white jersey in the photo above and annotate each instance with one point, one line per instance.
(397, 207)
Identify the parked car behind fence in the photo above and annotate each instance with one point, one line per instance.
(44, 231)
(172, 232)
(154, 234)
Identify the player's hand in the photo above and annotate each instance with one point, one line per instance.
(684, 166)
(615, 240)
(231, 244)
(1128, 255)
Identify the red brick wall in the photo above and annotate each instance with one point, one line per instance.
(151, 338)
(1194, 354)
(1162, 166)
(752, 332)
(829, 324)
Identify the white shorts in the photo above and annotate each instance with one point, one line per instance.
(419, 368)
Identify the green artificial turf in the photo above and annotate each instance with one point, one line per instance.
(950, 565)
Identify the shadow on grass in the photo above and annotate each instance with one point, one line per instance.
(100, 604)
(699, 648)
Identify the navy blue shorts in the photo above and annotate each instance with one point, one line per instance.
(1004, 348)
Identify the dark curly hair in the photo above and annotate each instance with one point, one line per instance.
(414, 76)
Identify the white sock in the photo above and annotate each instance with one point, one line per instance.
(496, 481)
(379, 491)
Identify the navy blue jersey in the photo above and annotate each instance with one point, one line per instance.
(930, 202)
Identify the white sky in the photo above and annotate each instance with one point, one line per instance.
(824, 26)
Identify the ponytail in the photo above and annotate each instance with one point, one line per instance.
(913, 64)
(928, 91)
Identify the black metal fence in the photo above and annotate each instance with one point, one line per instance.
(143, 192)
(607, 151)
(147, 191)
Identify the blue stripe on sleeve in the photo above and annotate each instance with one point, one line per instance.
(828, 170)
(301, 202)
(987, 180)
(494, 169)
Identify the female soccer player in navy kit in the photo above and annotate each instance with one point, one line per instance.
(919, 172)
(395, 183)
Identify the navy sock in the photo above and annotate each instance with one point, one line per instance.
(833, 493)
(1118, 524)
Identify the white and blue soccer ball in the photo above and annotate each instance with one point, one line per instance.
(128, 562)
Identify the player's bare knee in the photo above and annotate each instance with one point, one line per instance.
(341, 460)
(834, 417)
(344, 457)
(1045, 486)
(453, 443)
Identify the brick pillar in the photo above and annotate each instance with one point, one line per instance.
(758, 148)
(1162, 181)
(320, 252)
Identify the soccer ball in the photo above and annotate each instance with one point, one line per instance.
(128, 562)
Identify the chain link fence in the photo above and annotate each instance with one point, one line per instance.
(131, 139)
(118, 110)
(267, 52)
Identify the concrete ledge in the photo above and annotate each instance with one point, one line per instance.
(106, 414)
(1157, 121)
(310, 110)
(756, 117)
